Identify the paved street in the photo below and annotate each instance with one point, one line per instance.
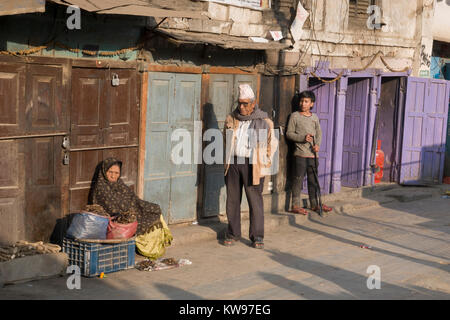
(317, 258)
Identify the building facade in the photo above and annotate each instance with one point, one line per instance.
(133, 74)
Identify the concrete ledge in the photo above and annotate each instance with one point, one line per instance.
(35, 267)
(276, 215)
(215, 229)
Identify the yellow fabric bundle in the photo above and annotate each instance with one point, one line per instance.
(153, 244)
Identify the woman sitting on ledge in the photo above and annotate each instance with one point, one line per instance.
(110, 192)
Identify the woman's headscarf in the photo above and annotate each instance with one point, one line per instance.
(117, 199)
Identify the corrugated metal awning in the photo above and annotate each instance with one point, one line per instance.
(221, 40)
(130, 7)
(10, 7)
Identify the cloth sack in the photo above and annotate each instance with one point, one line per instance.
(121, 230)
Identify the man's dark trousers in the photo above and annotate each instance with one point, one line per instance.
(240, 175)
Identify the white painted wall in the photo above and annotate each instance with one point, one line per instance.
(441, 23)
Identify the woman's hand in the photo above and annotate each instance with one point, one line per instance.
(316, 148)
(309, 137)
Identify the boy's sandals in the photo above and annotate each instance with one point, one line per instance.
(258, 244)
(228, 242)
(324, 208)
(299, 210)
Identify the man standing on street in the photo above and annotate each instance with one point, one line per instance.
(248, 132)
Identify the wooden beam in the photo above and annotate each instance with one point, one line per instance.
(103, 63)
(226, 70)
(142, 130)
(175, 69)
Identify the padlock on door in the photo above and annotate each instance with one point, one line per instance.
(115, 80)
(66, 158)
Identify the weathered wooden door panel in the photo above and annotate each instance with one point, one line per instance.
(174, 101)
(161, 88)
(325, 108)
(124, 110)
(222, 99)
(220, 102)
(183, 193)
(44, 99)
(12, 179)
(43, 186)
(423, 147)
(12, 99)
(353, 153)
(82, 169)
(88, 117)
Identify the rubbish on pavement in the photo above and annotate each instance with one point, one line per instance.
(183, 262)
(161, 264)
(363, 246)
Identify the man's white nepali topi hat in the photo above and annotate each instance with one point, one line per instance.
(246, 92)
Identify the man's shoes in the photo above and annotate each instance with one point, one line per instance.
(324, 208)
(299, 210)
(258, 243)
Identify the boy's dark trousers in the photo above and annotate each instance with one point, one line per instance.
(238, 176)
(302, 166)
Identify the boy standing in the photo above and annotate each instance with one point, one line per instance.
(304, 129)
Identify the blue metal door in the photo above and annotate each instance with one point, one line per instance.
(173, 103)
(424, 130)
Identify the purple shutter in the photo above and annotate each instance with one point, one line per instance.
(435, 133)
(423, 147)
(355, 124)
(324, 108)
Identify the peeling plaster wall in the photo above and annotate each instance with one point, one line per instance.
(349, 44)
(334, 36)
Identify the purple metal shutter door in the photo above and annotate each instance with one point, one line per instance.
(423, 148)
(413, 130)
(324, 108)
(355, 124)
(435, 133)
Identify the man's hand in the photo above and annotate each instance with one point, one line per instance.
(309, 138)
(316, 148)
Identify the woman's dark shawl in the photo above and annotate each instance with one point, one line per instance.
(117, 198)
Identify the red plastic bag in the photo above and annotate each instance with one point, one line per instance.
(121, 230)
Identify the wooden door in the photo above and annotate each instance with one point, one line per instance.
(33, 108)
(104, 123)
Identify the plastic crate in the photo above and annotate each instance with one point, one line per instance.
(94, 258)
